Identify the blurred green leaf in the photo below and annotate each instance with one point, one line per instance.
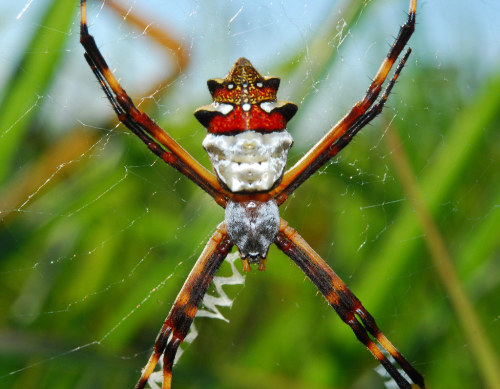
(22, 95)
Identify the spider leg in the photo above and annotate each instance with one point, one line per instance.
(345, 303)
(347, 136)
(368, 116)
(157, 140)
(182, 314)
(357, 117)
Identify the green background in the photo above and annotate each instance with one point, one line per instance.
(97, 235)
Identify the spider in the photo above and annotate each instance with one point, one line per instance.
(248, 145)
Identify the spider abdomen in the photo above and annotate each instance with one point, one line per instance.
(249, 161)
(247, 141)
(252, 226)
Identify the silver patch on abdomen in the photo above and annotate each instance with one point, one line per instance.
(249, 161)
(252, 226)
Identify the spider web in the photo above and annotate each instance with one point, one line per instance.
(97, 236)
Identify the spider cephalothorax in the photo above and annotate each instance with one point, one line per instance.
(248, 145)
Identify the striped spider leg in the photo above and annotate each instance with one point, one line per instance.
(345, 303)
(359, 116)
(248, 145)
(182, 314)
(157, 140)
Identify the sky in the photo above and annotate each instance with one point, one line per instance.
(460, 33)
(446, 30)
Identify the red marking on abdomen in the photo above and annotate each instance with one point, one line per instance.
(238, 120)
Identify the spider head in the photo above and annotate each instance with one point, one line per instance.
(252, 226)
(247, 141)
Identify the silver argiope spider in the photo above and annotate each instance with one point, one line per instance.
(248, 145)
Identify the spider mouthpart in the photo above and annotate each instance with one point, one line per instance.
(246, 263)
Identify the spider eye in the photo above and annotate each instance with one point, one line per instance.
(230, 86)
(259, 84)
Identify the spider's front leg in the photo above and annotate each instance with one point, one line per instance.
(345, 303)
(186, 304)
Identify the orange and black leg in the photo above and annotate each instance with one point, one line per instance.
(183, 311)
(157, 140)
(345, 303)
(358, 117)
